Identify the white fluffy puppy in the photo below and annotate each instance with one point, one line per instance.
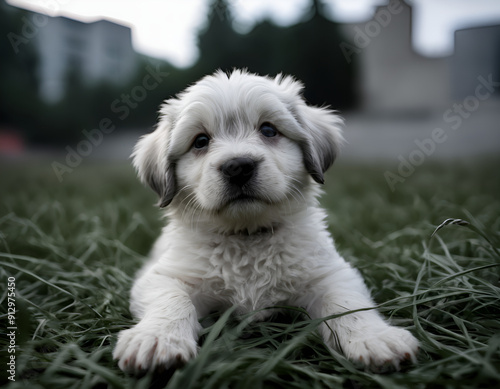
(237, 159)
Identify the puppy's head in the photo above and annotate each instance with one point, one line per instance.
(238, 148)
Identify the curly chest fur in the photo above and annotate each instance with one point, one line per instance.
(254, 272)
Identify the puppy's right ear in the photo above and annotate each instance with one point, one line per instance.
(150, 158)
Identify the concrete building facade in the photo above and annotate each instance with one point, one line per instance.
(95, 52)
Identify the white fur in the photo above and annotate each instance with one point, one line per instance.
(217, 252)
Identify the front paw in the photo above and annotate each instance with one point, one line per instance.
(381, 348)
(141, 348)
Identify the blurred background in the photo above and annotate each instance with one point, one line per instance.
(415, 80)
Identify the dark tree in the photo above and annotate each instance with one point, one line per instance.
(308, 50)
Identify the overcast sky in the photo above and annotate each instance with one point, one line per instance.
(167, 28)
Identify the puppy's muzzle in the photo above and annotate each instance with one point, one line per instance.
(239, 171)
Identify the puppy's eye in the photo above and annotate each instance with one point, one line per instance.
(268, 130)
(201, 141)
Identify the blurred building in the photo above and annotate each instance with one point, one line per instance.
(394, 78)
(90, 52)
(477, 53)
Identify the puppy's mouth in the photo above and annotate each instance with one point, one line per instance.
(236, 196)
(241, 197)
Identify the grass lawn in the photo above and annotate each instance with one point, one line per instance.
(73, 248)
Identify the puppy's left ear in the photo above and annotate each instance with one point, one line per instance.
(324, 138)
(151, 162)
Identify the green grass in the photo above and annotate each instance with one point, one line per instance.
(73, 249)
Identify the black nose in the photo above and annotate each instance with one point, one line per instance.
(238, 171)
